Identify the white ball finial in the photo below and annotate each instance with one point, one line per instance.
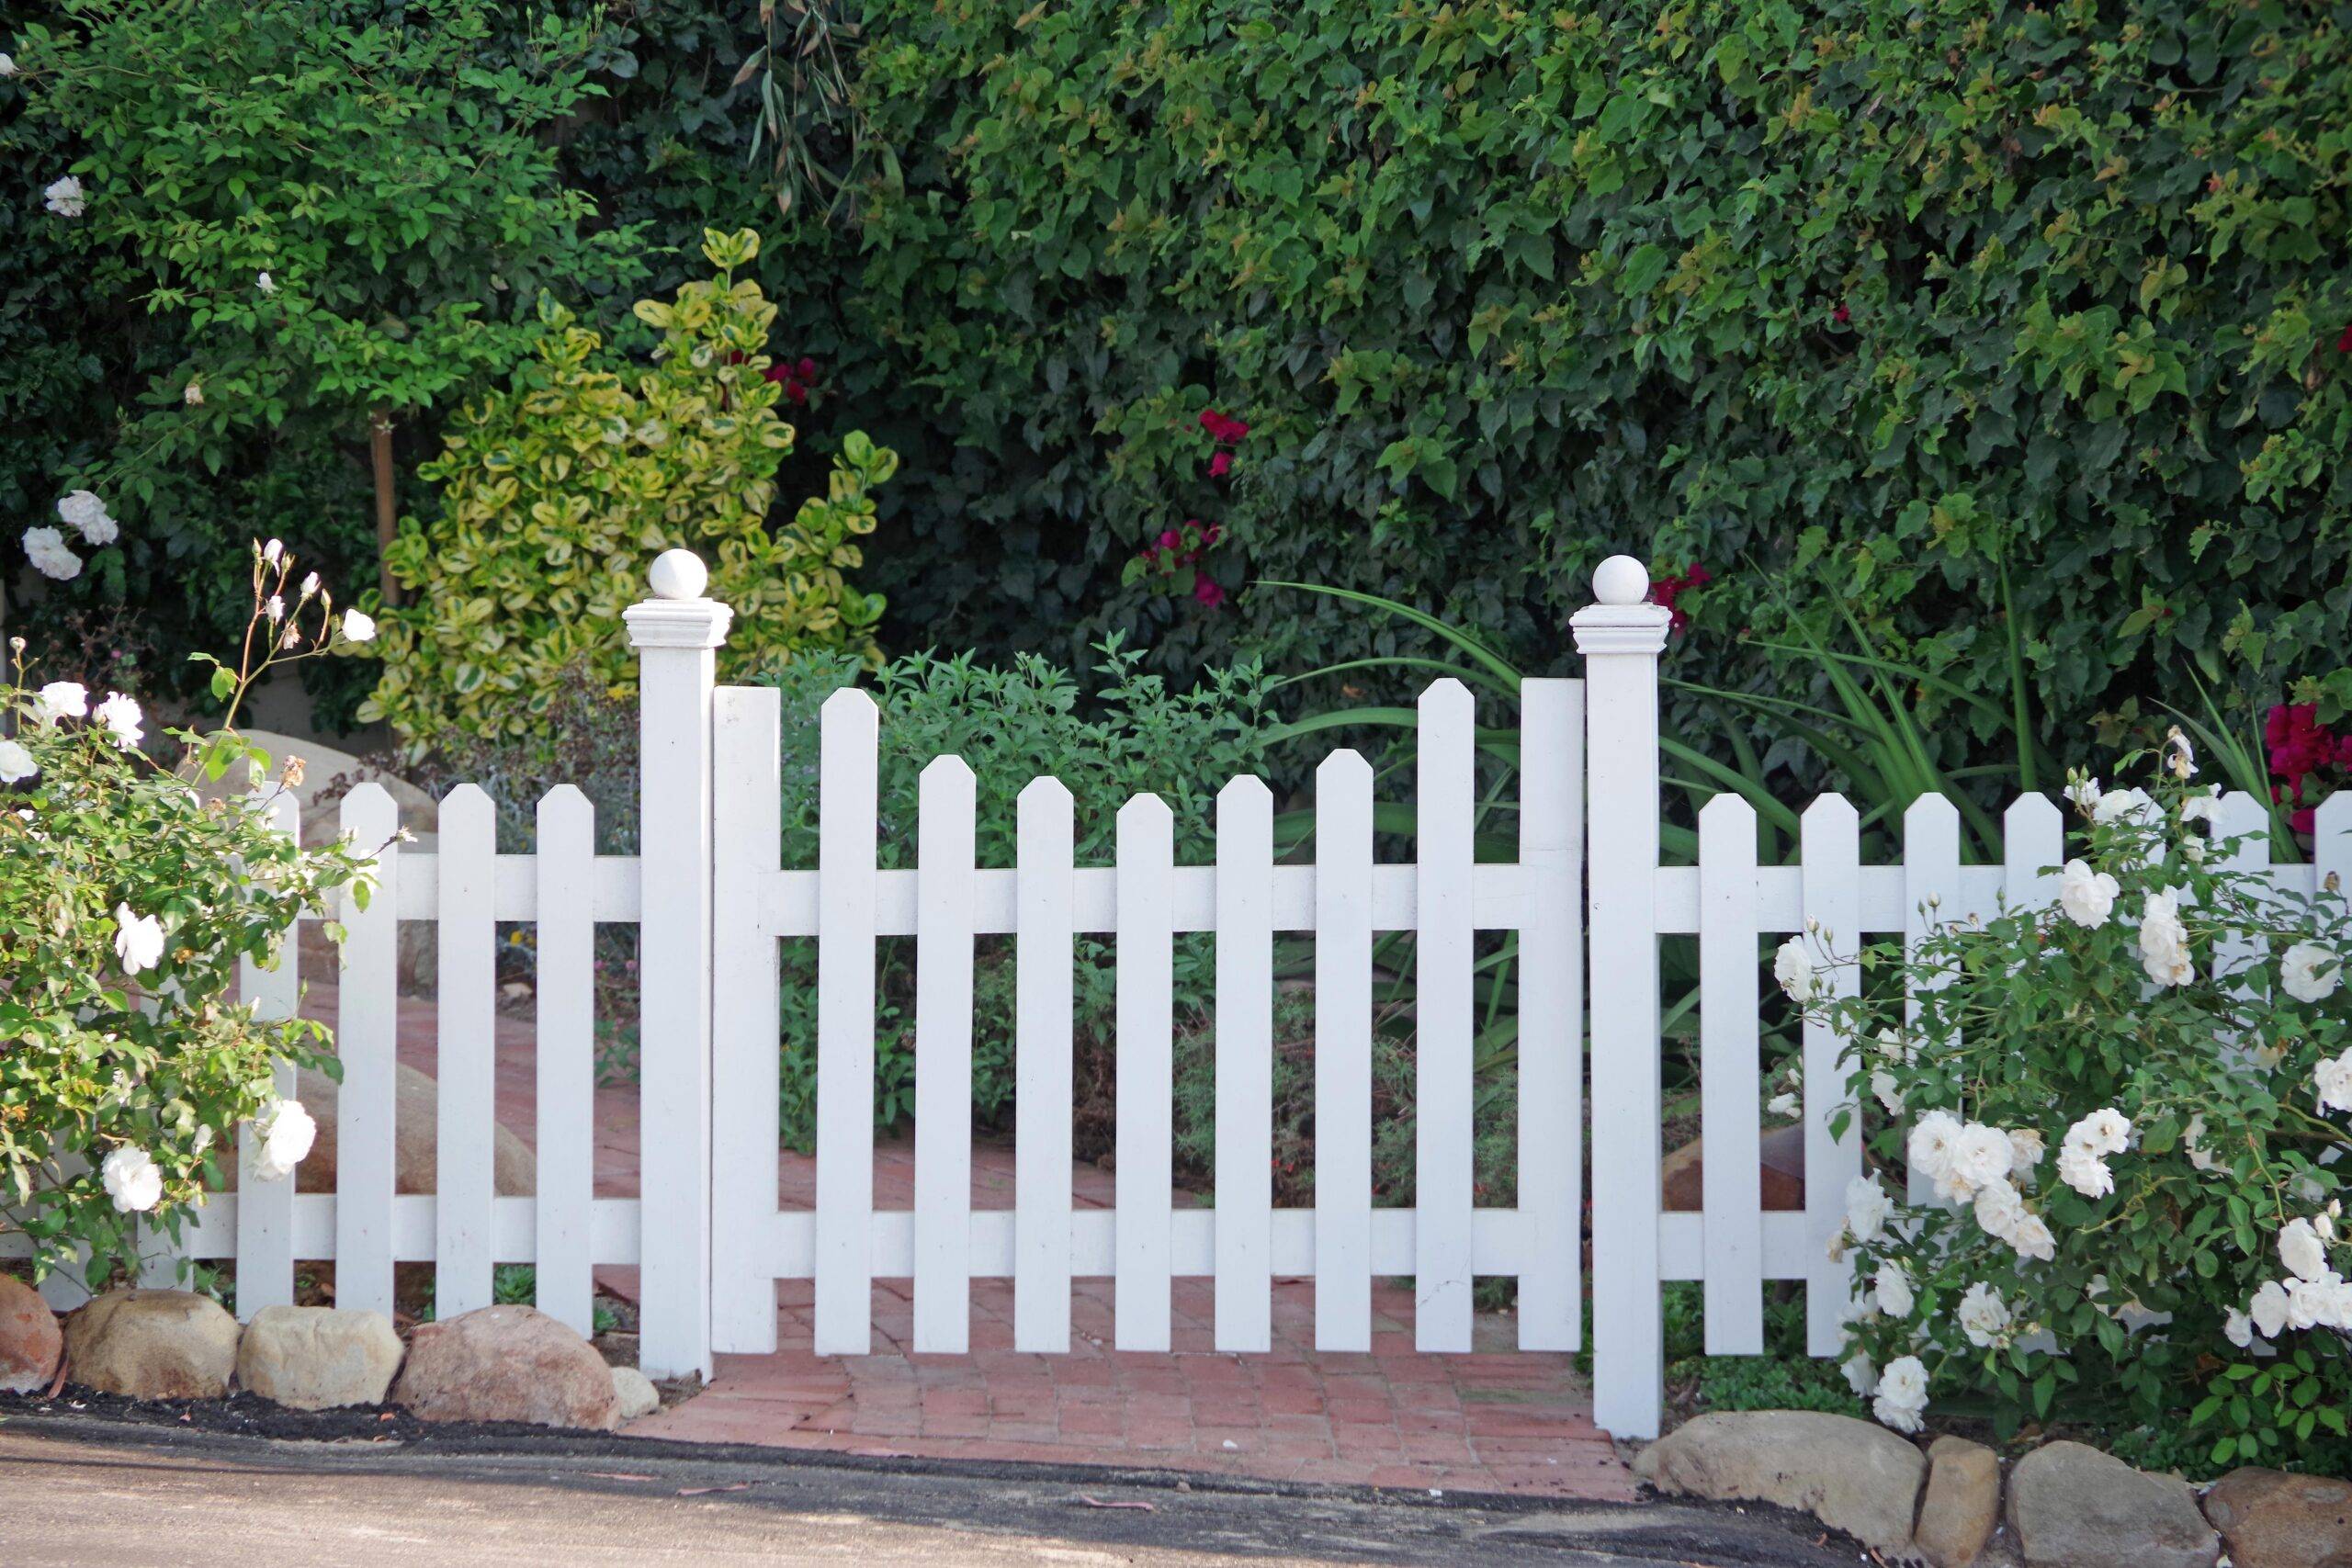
(1622, 580)
(678, 574)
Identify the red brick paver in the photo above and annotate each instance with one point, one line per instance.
(1496, 1420)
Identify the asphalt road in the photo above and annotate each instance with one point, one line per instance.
(83, 1494)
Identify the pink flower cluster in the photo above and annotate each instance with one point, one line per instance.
(797, 380)
(1668, 591)
(1177, 549)
(1226, 432)
(2300, 746)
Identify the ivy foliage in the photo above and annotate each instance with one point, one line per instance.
(1874, 298)
(557, 489)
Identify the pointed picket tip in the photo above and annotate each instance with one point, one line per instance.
(1145, 811)
(2241, 814)
(1448, 696)
(1044, 790)
(1831, 811)
(849, 699)
(1244, 790)
(2029, 811)
(368, 800)
(1343, 766)
(2334, 816)
(1727, 808)
(1931, 811)
(947, 769)
(467, 799)
(565, 797)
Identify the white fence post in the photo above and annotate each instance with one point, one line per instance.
(1621, 638)
(676, 634)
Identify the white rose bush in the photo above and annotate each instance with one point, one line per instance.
(2124, 1110)
(128, 899)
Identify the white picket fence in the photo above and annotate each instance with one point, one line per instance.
(713, 900)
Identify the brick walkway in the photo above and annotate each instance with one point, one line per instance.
(1493, 1421)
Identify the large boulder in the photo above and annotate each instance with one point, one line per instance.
(417, 1139)
(2270, 1519)
(153, 1344)
(31, 1341)
(506, 1363)
(1851, 1475)
(313, 1358)
(2073, 1507)
(1961, 1504)
(1780, 1171)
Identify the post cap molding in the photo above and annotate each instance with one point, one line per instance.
(678, 622)
(1622, 628)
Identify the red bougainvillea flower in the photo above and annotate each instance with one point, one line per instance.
(1223, 427)
(2344, 343)
(1669, 590)
(1220, 465)
(797, 380)
(1841, 315)
(1207, 592)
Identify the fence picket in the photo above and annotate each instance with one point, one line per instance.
(846, 822)
(1245, 1065)
(565, 868)
(1041, 1106)
(746, 1064)
(1444, 1017)
(943, 1060)
(1144, 1180)
(264, 1209)
(1930, 898)
(2332, 850)
(1550, 1016)
(467, 1056)
(2241, 817)
(366, 1023)
(1343, 1053)
(2033, 846)
(1732, 1202)
(1830, 847)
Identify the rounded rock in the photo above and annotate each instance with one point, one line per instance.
(1849, 1474)
(310, 1358)
(31, 1341)
(2073, 1507)
(2270, 1519)
(506, 1363)
(636, 1392)
(678, 574)
(1620, 579)
(153, 1344)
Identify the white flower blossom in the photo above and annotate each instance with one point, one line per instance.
(2310, 973)
(274, 607)
(1892, 1288)
(1981, 1153)
(2180, 757)
(309, 585)
(8, 65)
(1930, 1146)
(1861, 1375)
(65, 198)
(1886, 1091)
(1868, 1208)
(132, 1180)
(138, 940)
(2268, 1309)
(2163, 942)
(2106, 1130)
(282, 1135)
(193, 394)
(2203, 807)
(1998, 1209)
(2192, 1141)
(16, 763)
(61, 699)
(2332, 1080)
(2088, 896)
(2085, 1172)
(1984, 1317)
(2301, 1249)
(120, 715)
(2032, 1239)
(2125, 806)
(1782, 1104)
(2025, 1148)
(86, 515)
(2238, 1328)
(2085, 793)
(266, 284)
(46, 548)
(357, 626)
(271, 551)
(1792, 968)
(1901, 1394)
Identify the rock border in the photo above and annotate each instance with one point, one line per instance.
(2063, 1504)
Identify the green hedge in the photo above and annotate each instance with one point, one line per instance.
(1866, 297)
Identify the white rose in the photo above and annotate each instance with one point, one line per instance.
(2086, 896)
(132, 1180)
(2163, 942)
(2106, 1130)
(1930, 1142)
(1867, 1208)
(1984, 1317)
(15, 763)
(2086, 1173)
(1892, 1288)
(1901, 1394)
(266, 283)
(1792, 968)
(357, 626)
(2205, 807)
(1981, 1153)
(2310, 973)
(2308, 1305)
(1998, 1209)
(86, 514)
(46, 548)
(2301, 1249)
(65, 198)
(2033, 1238)
(282, 1135)
(122, 717)
(1887, 1093)
(2084, 792)
(1860, 1376)
(271, 551)
(8, 65)
(138, 940)
(2268, 1309)
(2180, 757)
(2192, 1140)
(61, 699)
(2333, 1078)
(2125, 805)
(2238, 1328)
(1782, 1104)
(2025, 1148)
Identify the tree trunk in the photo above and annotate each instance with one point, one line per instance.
(380, 430)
